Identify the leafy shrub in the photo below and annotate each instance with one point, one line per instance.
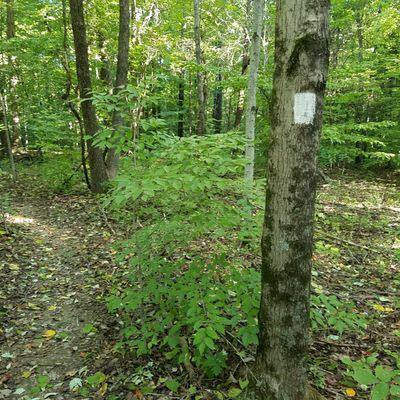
(382, 380)
(202, 302)
(328, 312)
(373, 141)
(197, 311)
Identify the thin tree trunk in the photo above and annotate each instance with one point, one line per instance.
(104, 73)
(121, 81)
(7, 137)
(201, 121)
(217, 109)
(251, 106)
(245, 64)
(98, 173)
(301, 62)
(13, 101)
(67, 94)
(181, 102)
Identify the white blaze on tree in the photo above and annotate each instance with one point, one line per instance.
(304, 108)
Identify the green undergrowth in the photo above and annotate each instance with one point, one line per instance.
(188, 291)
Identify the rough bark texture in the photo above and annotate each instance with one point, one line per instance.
(121, 81)
(67, 95)
(6, 137)
(301, 57)
(98, 173)
(201, 118)
(251, 107)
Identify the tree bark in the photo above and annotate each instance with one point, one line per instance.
(251, 106)
(217, 109)
(301, 63)
(245, 64)
(13, 100)
(67, 95)
(98, 173)
(181, 102)
(121, 81)
(201, 119)
(6, 138)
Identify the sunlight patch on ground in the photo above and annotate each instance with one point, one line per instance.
(18, 219)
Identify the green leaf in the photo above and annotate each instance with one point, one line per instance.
(243, 384)
(96, 379)
(234, 392)
(364, 376)
(42, 381)
(172, 385)
(209, 343)
(380, 391)
(211, 333)
(395, 390)
(384, 374)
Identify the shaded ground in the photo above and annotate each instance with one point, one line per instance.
(51, 319)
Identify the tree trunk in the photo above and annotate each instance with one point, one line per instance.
(121, 81)
(201, 121)
(6, 137)
(245, 64)
(251, 107)
(13, 101)
(181, 102)
(217, 109)
(98, 173)
(301, 63)
(67, 95)
(104, 73)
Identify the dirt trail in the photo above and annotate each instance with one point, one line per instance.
(51, 322)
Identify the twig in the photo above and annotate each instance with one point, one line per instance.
(338, 239)
(105, 218)
(241, 358)
(360, 346)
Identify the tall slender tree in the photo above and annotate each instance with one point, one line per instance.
(245, 64)
(201, 118)
(301, 63)
(251, 106)
(121, 81)
(98, 173)
(6, 138)
(13, 101)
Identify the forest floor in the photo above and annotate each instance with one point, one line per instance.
(53, 319)
(56, 334)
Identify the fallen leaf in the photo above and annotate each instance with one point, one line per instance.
(49, 334)
(52, 308)
(381, 308)
(26, 374)
(103, 389)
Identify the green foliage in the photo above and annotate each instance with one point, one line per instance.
(196, 311)
(383, 381)
(346, 143)
(207, 303)
(329, 312)
(177, 191)
(57, 172)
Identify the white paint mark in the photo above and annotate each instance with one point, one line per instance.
(304, 107)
